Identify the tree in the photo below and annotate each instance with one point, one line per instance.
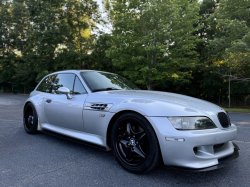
(7, 55)
(98, 59)
(152, 39)
(229, 50)
(39, 37)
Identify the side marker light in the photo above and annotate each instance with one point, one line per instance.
(175, 139)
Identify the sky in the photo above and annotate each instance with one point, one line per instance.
(99, 2)
(107, 28)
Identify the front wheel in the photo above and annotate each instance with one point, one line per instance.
(30, 119)
(134, 143)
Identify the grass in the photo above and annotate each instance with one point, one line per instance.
(243, 110)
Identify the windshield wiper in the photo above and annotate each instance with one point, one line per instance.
(105, 89)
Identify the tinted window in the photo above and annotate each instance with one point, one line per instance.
(47, 84)
(78, 87)
(99, 81)
(63, 80)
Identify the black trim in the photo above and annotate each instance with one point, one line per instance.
(222, 162)
(74, 83)
(73, 139)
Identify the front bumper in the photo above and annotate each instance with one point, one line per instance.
(222, 162)
(193, 149)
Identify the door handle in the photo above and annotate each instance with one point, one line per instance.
(48, 100)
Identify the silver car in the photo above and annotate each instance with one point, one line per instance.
(142, 128)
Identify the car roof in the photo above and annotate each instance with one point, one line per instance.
(75, 71)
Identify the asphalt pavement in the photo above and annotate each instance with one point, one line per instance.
(44, 160)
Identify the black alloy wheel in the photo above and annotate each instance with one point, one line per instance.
(30, 120)
(132, 142)
(135, 144)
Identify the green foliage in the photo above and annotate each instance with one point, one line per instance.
(229, 49)
(39, 37)
(98, 59)
(152, 39)
(189, 47)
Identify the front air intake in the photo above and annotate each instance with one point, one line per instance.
(224, 120)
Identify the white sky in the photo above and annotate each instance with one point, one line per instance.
(99, 2)
(107, 28)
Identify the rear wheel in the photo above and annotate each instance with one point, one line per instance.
(30, 119)
(134, 143)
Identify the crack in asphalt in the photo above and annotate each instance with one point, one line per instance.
(47, 172)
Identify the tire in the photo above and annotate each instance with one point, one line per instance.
(30, 119)
(134, 143)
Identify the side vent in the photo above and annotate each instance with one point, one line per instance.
(98, 106)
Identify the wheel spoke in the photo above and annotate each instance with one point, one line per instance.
(140, 135)
(124, 142)
(136, 150)
(29, 122)
(129, 129)
(132, 142)
(128, 153)
(30, 118)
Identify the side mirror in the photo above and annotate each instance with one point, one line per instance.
(64, 90)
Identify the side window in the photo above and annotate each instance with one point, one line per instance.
(78, 87)
(47, 84)
(63, 80)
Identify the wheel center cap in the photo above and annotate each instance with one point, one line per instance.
(132, 141)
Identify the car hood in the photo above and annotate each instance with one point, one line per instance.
(185, 102)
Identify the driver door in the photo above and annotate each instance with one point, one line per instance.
(63, 112)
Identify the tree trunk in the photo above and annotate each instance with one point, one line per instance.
(149, 85)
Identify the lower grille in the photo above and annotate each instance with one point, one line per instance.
(224, 119)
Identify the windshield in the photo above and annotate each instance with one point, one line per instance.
(100, 81)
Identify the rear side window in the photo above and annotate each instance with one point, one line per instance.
(78, 87)
(63, 80)
(47, 84)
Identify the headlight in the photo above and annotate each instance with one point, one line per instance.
(191, 123)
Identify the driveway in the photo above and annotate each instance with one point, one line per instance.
(43, 160)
